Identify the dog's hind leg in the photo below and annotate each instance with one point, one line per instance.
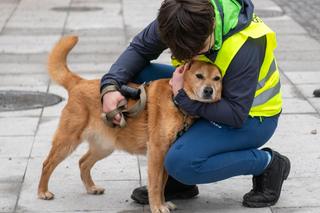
(87, 161)
(62, 146)
(65, 141)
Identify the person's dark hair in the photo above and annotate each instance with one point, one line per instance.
(184, 26)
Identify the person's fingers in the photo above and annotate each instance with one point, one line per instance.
(117, 117)
(187, 66)
(170, 82)
(116, 122)
(180, 69)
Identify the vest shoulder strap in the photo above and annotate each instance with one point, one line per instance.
(231, 46)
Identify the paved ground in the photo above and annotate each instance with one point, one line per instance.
(305, 12)
(28, 30)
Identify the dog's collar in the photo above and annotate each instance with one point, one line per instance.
(186, 125)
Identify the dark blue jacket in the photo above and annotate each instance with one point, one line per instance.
(239, 83)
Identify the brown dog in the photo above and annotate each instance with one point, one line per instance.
(152, 131)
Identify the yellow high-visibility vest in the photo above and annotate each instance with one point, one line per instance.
(267, 99)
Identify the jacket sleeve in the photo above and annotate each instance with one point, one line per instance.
(145, 46)
(238, 88)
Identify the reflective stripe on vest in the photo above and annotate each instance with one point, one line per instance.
(267, 100)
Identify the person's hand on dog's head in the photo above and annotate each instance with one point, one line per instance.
(176, 82)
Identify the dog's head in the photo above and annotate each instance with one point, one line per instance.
(202, 82)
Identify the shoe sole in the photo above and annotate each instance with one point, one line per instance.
(285, 177)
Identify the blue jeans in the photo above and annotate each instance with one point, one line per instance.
(209, 151)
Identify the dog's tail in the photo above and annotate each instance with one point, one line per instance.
(57, 63)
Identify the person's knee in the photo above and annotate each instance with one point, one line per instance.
(180, 168)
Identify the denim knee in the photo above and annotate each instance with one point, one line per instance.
(179, 167)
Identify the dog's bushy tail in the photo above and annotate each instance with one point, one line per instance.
(57, 63)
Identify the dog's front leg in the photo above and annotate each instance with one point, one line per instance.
(157, 177)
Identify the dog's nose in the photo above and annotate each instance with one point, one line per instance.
(208, 91)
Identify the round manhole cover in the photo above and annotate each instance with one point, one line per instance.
(76, 9)
(268, 13)
(20, 100)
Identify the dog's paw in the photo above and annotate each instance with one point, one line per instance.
(45, 195)
(95, 190)
(161, 209)
(171, 205)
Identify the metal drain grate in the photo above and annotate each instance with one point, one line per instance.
(268, 13)
(12, 100)
(76, 9)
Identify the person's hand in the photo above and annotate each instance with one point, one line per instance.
(176, 82)
(110, 101)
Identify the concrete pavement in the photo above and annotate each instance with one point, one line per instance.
(29, 29)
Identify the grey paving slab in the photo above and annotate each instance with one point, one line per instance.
(100, 44)
(299, 66)
(116, 167)
(296, 210)
(24, 80)
(265, 4)
(15, 147)
(297, 43)
(56, 110)
(90, 67)
(307, 89)
(23, 58)
(70, 197)
(94, 58)
(304, 164)
(16, 68)
(316, 103)
(308, 17)
(34, 14)
(6, 9)
(300, 192)
(107, 15)
(296, 129)
(22, 113)
(16, 126)
(304, 77)
(289, 91)
(48, 126)
(107, 31)
(12, 169)
(295, 143)
(297, 105)
(297, 124)
(284, 25)
(8, 196)
(27, 44)
(134, 18)
(308, 56)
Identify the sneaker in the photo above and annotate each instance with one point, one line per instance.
(267, 186)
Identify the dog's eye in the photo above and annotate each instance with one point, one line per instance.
(199, 76)
(217, 78)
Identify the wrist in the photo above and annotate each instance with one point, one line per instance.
(107, 89)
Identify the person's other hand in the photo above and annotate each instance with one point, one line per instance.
(110, 101)
(176, 82)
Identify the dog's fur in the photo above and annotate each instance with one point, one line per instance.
(152, 131)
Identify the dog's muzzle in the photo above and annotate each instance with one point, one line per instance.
(207, 93)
